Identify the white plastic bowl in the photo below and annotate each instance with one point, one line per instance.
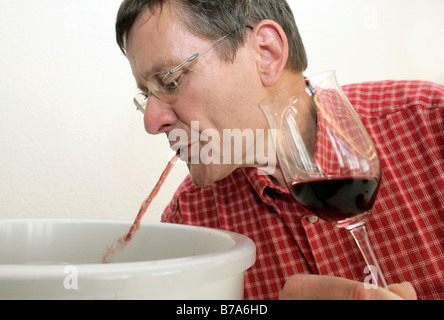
(61, 259)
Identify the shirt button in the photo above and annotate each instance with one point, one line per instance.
(312, 219)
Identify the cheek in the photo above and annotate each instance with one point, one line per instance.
(189, 106)
(200, 102)
(219, 98)
(222, 97)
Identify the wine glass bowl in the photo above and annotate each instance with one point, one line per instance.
(325, 154)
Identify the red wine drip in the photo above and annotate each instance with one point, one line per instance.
(121, 242)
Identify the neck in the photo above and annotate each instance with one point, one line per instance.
(296, 80)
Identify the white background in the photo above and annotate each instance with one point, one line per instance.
(73, 145)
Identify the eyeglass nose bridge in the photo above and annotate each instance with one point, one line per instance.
(140, 100)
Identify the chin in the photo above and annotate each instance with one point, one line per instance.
(205, 175)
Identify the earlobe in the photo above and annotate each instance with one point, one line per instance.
(272, 48)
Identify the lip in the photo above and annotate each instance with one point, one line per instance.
(184, 151)
(177, 148)
(180, 148)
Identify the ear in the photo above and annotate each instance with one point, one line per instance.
(271, 44)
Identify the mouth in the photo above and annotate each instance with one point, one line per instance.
(183, 151)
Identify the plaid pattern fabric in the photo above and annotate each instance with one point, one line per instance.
(337, 132)
(406, 122)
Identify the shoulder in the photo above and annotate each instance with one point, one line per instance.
(370, 98)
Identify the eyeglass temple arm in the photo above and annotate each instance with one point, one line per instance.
(196, 55)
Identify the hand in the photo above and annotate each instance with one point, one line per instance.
(315, 287)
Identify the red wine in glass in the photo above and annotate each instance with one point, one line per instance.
(336, 199)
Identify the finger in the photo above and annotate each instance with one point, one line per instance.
(315, 287)
(405, 290)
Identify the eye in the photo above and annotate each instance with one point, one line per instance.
(171, 82)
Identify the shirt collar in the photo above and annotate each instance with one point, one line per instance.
(260, 181)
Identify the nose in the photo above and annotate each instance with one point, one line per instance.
(159, 116)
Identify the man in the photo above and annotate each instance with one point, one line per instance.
(204, 66)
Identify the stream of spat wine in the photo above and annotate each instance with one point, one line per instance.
(120, 243)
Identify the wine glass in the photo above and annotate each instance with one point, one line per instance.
(326, 156)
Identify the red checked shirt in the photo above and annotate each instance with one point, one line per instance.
(406, 122)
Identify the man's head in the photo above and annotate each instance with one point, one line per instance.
(259, 49)
(213, 19)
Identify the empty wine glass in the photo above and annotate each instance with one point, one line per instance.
(326, 156)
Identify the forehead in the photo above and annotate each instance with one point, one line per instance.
(157, 40)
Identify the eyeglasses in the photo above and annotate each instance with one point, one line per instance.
(165, 85)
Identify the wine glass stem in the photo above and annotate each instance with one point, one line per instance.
(361, 238)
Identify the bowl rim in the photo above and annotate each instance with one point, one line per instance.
(233, 260)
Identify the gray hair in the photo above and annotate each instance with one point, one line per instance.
(213, 19)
